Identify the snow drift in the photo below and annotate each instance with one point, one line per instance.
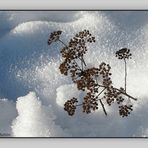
(34, 119)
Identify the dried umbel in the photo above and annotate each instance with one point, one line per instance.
(111, 95)
(86, 79)
(74, 51)
(123, 53)
(104, 71)
(90, 103)
(76, 48)
(54, 36)
(125, 110)
(70, 106)
(95, 81)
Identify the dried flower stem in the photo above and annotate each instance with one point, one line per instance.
(125, 73)
(101, 92)
(83, 61)
(124, 93)
(103, 107)
(62, 43)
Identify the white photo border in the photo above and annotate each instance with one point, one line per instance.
(73, 5)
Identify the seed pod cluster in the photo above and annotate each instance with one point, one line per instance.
(70, 106)
(123, 53)
(86, 79)
(104, 71)
(112, 94)
(124, 110)
(75, 49)
(54, 36)
(90, 103)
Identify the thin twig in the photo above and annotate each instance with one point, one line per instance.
(82, 64)
(103, 107)
(126, 94)
(101, 92)
(125, 73)
(77, 65)
(79, 104)
(62, 43)
(83, 61)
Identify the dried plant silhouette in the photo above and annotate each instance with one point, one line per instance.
(124, 54)
(95, 81)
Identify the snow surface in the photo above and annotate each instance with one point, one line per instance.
(29, 68)
(34, 119)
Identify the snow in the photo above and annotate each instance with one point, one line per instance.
(29, 68)
(34, 119)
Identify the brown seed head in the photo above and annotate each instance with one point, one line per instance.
(54, 36)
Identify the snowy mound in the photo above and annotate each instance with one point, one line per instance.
(67, 91)
(34, 119)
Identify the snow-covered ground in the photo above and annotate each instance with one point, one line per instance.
(33, 91)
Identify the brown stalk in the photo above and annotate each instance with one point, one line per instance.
(103, 107)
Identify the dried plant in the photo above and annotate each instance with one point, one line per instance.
(70, 106)
(54, 36)
(124, 54)
(96, 82)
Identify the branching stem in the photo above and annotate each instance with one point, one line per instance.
(101, 92)
(124, 93)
